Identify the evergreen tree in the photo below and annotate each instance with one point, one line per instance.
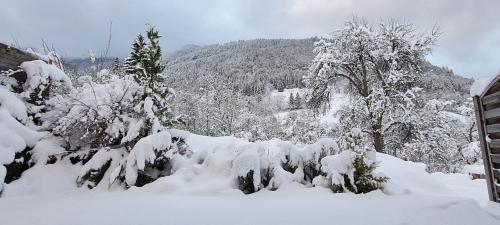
(146, 68)
(298, 101)
(116, 68)
(291, 102)
(136, 55)
(363, 163)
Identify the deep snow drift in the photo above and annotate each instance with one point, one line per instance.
(204, 194)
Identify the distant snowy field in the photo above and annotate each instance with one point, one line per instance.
(47, 194)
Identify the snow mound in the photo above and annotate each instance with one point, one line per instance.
(145, 151)
(12, 104)
(14, 137)
(40, 73)
(408, 177)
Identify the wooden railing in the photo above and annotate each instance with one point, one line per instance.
(487, 109)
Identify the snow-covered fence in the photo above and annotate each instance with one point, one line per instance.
(486, 96)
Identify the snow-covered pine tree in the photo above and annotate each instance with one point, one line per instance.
(116, 68)
(357, 174)
(145, 149)
(132, 62)
(291, 101)
(298, 101)
(146, 68)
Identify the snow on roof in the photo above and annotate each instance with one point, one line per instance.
(481, 85)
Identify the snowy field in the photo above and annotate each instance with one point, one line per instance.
(301, 206)
(48, 195)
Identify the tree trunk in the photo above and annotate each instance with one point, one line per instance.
(378, 141)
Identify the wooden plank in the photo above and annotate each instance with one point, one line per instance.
(493, 128)
(492, 98)
(480, 121)
(493, 113)
(496, 174)
(494, 86)
(495, 143)
(495, 158)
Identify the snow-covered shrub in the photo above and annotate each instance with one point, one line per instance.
(16, 138)
(96, 114)
(303, 127)
(247, 167)
(273, 164)
(128, 114)
(19, 113)
(443, 135)
(43, 80)
(95, 166)
(312, 155)
(353, 169)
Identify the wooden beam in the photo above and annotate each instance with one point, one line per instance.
(495, 158)
(493, 98)
(480, 121)
(493, 128)
(495, 143)
(496, 174)
(493, 113)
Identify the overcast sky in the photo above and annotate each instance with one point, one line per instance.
(470, 44)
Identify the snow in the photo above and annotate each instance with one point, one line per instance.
(473, 169)
(293, 206)
(39, 73)
(246, 162)
(205, 187)
(133, 130)
(14, 137)
(145, 151)
(10, 102)
(480, 85)
(336, 165)
(48, 145)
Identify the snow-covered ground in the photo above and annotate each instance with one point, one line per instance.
(297, 206)
(47, 194)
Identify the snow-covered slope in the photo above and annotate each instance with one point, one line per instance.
(48, 194)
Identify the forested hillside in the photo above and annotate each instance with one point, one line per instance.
(277, 63)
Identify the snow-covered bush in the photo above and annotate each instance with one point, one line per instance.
(442, 134)
(275, 163)
(126, 116)
(15, 137)
(21, 103)
(96, 114)
(353, 169)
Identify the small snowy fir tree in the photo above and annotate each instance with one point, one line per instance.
(353, 169)
(291, 101)
(136, 127)
(146, 68)
(131, 65)
(298, 101)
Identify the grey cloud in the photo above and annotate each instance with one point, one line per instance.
(470, 42)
